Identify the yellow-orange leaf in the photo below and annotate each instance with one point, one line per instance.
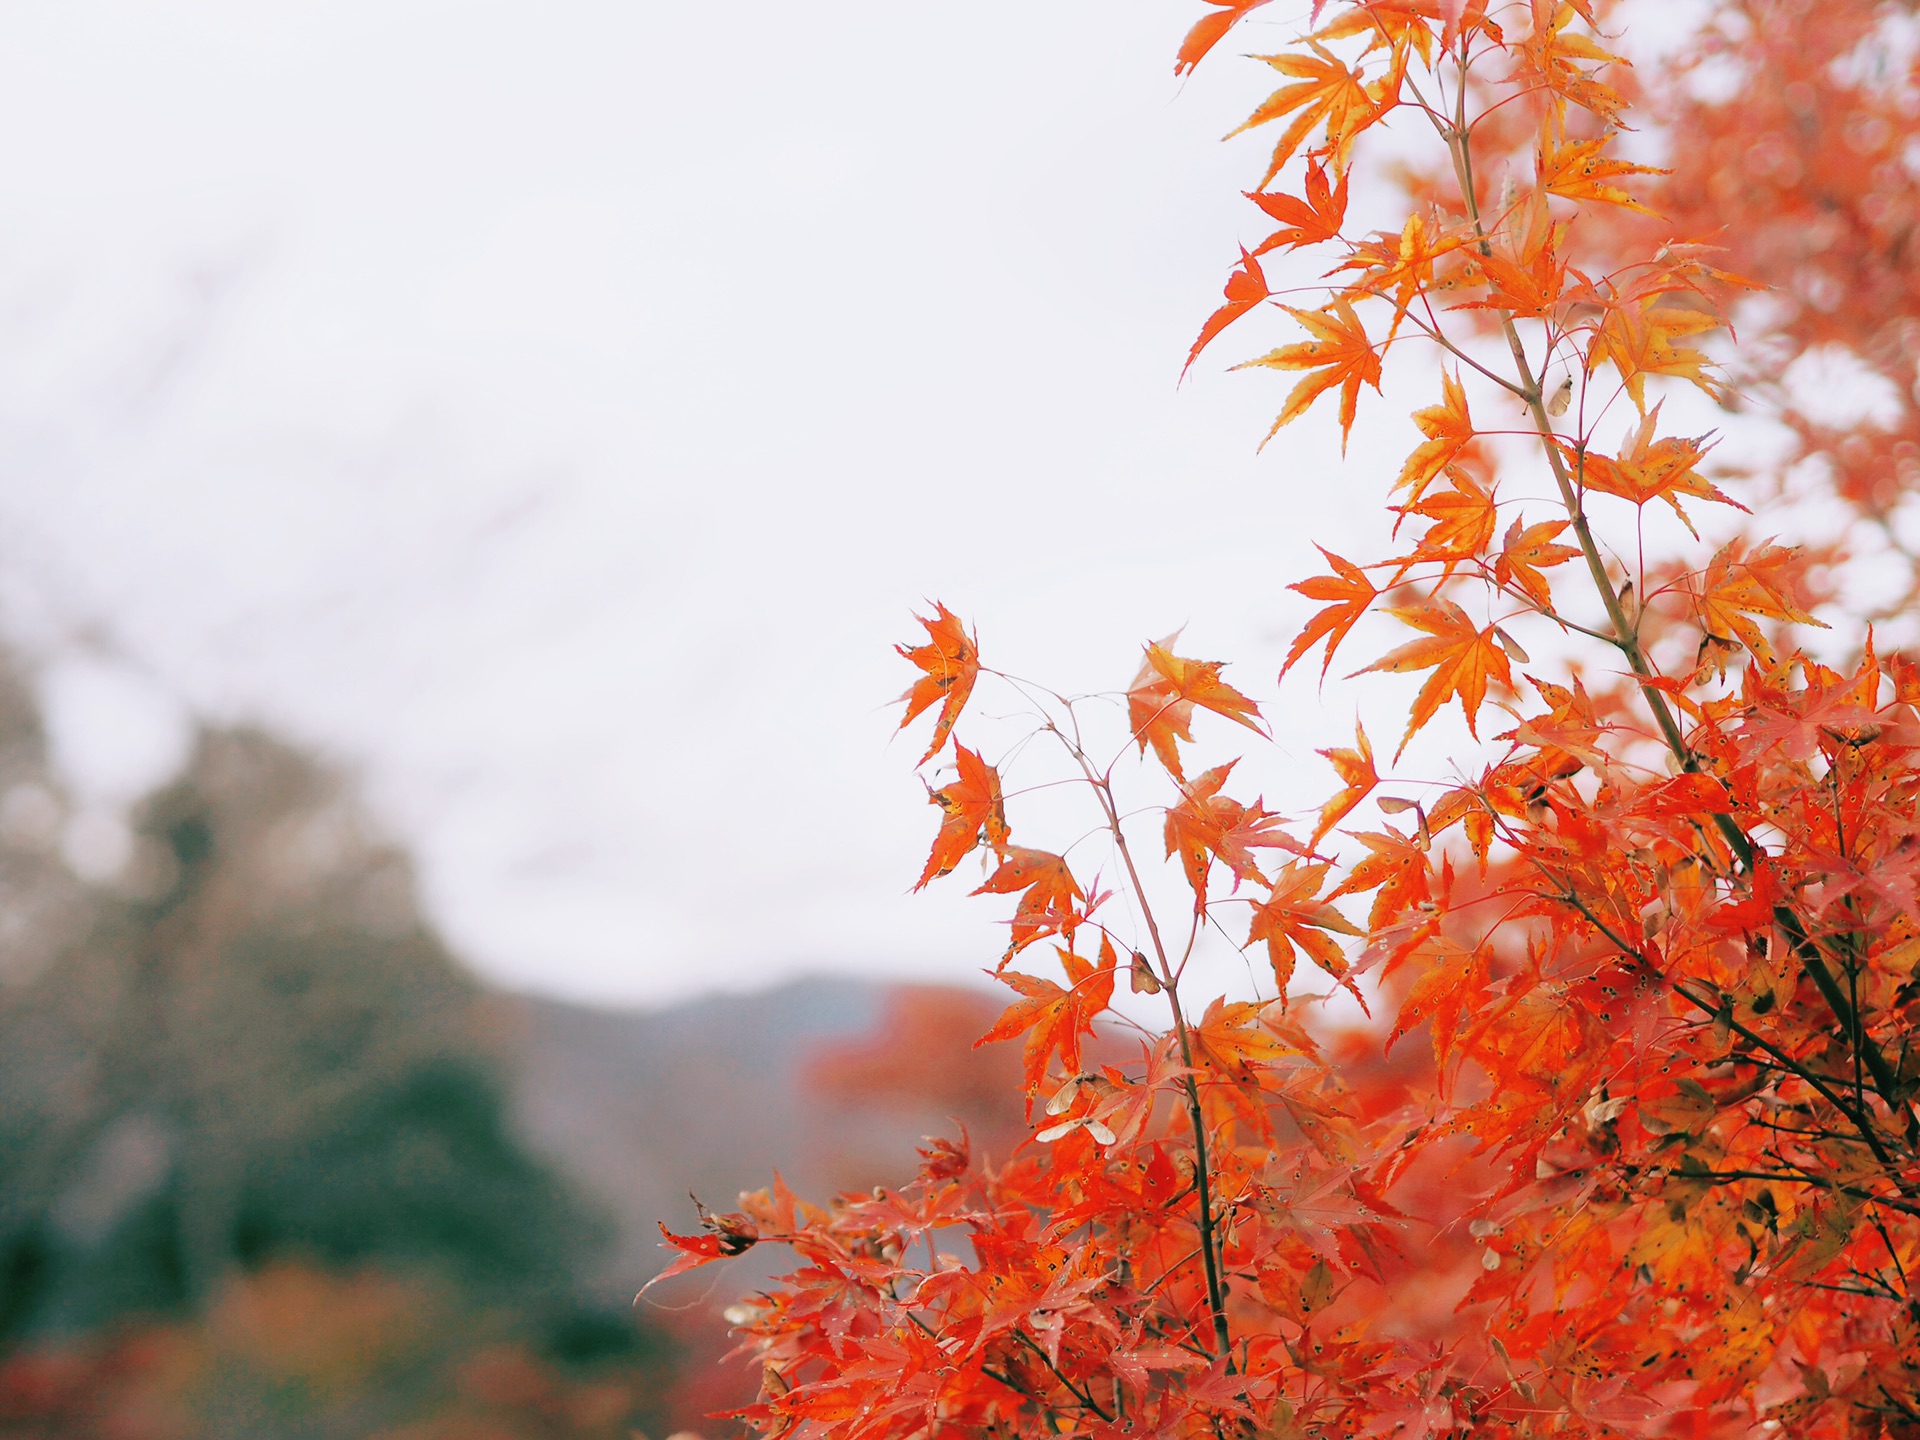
(1448, 429)
(1161, 701)
(1524, 553)
(1398, 26)
(1652, 467)
(1524, 274)
(1642, 339)
(1463, 520)
(1735, 587)
(1580, 171)
(1400, 266)
(1551, 58)
(1358, 777)
(1464, 660)
(1324, 90)
(1339, 354)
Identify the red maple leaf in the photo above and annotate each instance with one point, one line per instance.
(1052, 1018)
(951, 662)
(969, 806)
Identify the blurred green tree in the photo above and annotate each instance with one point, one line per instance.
(247, 1046)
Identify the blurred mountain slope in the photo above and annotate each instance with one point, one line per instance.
(831, 1082)
(641, 1107)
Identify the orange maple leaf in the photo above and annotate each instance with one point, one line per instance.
(1052, 1018)
(951, 660)
(1580, 170)
(1463, 519)
(1735, 586)
(1050, 898)
(1399, 267)
(1209, 30)
(1551, 56)
(969, 806)
(1568, 736)
(1524, 553)
(1448, 429)
(1640, 338)
(1161, 700)
(1463, 658)
(1652, 467)
(1527, 291)
(1206, 823)
(1246, 288)
(1682, 796)
(1397, 867)
(1233, 1037)
(1339, 354)
(1398, 26)
(1349, 595)
(1304, 222)
(1452, 984)
(1358, 777)
(1326, 90)
(1291, 916)
(1524, 273)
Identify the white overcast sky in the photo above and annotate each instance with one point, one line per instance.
(554, 411)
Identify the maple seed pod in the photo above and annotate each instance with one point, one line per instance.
(1562, 397)
(1511, 645)
(1064, 1097)
(1141, 976)
(1101, 1134)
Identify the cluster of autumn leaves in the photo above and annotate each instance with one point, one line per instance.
(1633, 1149)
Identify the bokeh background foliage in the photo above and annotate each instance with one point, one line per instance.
(273, 1163)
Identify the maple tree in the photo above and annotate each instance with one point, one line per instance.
(1632, 1147)
(1797, 118)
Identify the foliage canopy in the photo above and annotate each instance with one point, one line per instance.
(1632, 1147)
